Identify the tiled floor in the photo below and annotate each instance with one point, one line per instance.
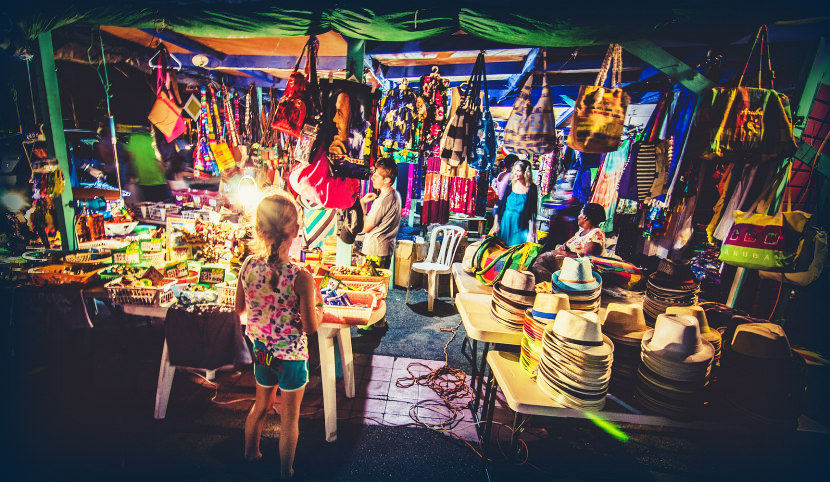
(380, 401)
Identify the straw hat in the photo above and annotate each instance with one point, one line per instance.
(624, 321)
(519, 286)
(547, 305)
(694, 310)
(761, 340)
(576, 275)
(676, 338)
(581, 331)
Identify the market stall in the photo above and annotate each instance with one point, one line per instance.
(606, 241)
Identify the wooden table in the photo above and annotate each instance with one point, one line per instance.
(525, 398)
(474, 309)
(467, 283)
(329, 330)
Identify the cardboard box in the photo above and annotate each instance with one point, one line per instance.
(406, 253)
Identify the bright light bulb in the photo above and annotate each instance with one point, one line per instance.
(13, 201)
(247, 193)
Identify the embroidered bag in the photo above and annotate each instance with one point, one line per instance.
(531, 129)
(165, 114)
(599, 113)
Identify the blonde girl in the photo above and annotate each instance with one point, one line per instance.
(282, 306)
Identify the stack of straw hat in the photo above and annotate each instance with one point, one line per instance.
(625, 325)
(706, 332)
(761, 379)
(512, 296)
(580, 282)
(673, 284)
(575, 366)
(675, 367)
(542, 314)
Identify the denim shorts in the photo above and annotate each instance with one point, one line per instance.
(289, 375)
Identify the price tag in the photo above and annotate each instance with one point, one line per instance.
(150, 245)
(211, 275)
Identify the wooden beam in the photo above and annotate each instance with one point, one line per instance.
(669, 64)
(189, 43)
(55, 139)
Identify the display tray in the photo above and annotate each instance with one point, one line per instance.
(354, 315)
(54, 274)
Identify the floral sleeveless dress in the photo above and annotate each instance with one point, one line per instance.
(274, 316)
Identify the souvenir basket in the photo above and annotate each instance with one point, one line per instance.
(384, 277)
(354, 315)
(379, 287)
(140, 295)
(227, 292)
(54, 274)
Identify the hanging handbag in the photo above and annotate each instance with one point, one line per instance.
(484, 140)
(458, 135)
(297, 103)
(762, 241)
(165, 114)
(748, 122)
(599, 113)
(397, 116)
(531, 129)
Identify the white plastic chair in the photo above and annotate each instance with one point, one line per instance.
(438, 263)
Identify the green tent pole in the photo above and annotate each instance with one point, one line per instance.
(355, 52)
(56, 142)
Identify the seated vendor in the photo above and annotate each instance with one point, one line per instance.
(589, 240)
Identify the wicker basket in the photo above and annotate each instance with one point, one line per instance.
(87, 259)
(141, 295)
(52, 275)
(354, 315)
(227, 292)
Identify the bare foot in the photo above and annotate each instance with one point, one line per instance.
(289, 477)
(253, 458)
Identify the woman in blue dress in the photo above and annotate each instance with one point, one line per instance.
(514, 220)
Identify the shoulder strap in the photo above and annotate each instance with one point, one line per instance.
(761, 36)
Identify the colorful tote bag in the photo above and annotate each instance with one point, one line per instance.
(494, 260)
(746, 122)
(761, 241)
(599, 113)
(531, 129)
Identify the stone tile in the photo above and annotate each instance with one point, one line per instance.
(395, 407)
(377, 373)
(369, 405)
(433, 364)
(427, 393)
(433, 412)
(403, 362)
(409, 393)
(365, 418)
(382, 361)
(397, 420)
(467, 431)
(372, 388)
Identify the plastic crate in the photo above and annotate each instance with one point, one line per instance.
(227, 292)
(354, 315)
(141, 295)
(160, 212)
(380, 288)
